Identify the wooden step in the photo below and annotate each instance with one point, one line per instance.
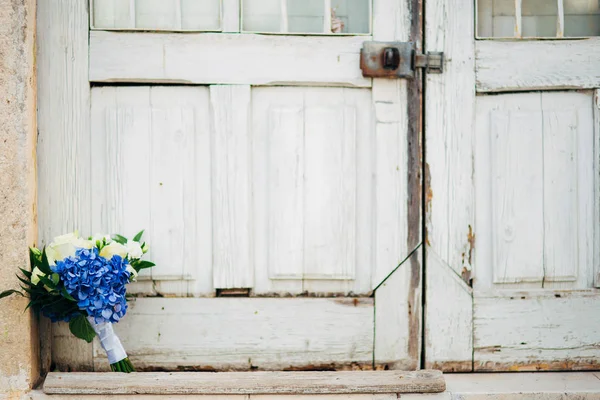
(244, 383)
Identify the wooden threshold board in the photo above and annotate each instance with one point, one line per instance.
(347, 382)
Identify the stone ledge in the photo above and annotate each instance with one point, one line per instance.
(243, 383)
(467, 386)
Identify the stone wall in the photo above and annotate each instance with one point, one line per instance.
(19, 343)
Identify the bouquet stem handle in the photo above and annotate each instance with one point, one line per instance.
(117, 357)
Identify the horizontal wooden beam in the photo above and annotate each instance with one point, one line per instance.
(240, 334)
(503, 66)
(216, 58)
(164, 383)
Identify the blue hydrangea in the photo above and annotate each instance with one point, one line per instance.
(54, 317)
(96, 283)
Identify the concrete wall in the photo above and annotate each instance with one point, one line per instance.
(19, 343)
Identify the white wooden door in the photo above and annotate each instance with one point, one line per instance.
(242, 136)
(513, 221)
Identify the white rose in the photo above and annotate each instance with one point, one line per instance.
(35, 275)
(133, 272)
(113, 248)
(134, 250)
(65, 246)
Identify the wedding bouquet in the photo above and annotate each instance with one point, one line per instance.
(82, 281)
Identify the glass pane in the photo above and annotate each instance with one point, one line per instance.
(306, 16)
(539, 18)
(582, 18)
(496, 18)
(172, 15)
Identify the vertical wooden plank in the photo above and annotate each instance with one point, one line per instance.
(518, 19)
(330, 186)
(392, 21)
(326, 16)
(596, 221)
(561, 234)
(393, 348)
(517, 195)
(587, 172)
(286, 157)
(63, 147)
(390, 170)
(233, 265)
(230, 15)
(449, 344)
(449, 190)
(64, 137)
(278, 189)
(560, 19)
(172, 195)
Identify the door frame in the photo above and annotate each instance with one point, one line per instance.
(63, 28)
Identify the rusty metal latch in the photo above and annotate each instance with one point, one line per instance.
(397, 60)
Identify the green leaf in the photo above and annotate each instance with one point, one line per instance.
(26, 273)
(66, 294)
(142, 264)
(138, 237)
(35, 259)
(81, 328)
(47, 282)
(120, 239)
(45, 265)
(25, 281)
(7, 293)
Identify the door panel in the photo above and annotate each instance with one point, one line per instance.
(313, 188)
(535, 189)
(512, 210)
(286, 175)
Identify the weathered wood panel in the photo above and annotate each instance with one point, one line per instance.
(449, 189)
(233, 265)
(536, 330)
(529, 65)
(448, 319)
(226, 59)
(245, 333)
(63, 149)
(312, 190)
(293, 383)
(150, 171)
(535, 198)
(397, 346)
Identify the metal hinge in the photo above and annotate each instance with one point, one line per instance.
(397, 60)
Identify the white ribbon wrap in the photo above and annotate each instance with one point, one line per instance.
(109, 341)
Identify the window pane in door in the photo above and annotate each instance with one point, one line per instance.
(540, 18)
(157, 15)
(496, 18)
(582, 18)
(307, 16)
(501, 18)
